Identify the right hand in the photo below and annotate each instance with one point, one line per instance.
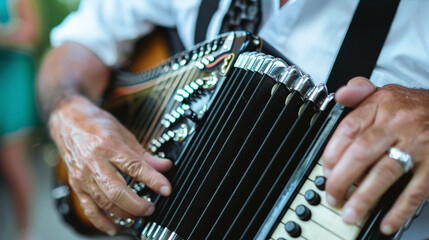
(95, 147)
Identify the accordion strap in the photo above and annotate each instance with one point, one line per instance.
(363, 42)
(205, 14)
(241, 15)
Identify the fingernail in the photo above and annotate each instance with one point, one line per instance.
(386, 229)
(165, 159)
(149, 211)
(331, 200)
(326, 172)
(349, 215)
(165, 190)
(111, 232)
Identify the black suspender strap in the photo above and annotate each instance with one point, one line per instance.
(363, 42)
(241, 15)
(207, 9)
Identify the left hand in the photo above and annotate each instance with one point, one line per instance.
(390, 116)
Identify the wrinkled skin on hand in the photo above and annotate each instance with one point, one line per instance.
(390, 116)
(94, 146)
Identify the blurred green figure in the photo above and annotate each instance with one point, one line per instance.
(24, 28)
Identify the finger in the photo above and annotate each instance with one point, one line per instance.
(143, 172)
(356, 90)
(104, 203)
(408, 202)
(114, 187)
(354, 124)
(97, 217)
(361, 154)
(375, 184)
(159, 164)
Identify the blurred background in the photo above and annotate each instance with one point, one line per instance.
(27, 158)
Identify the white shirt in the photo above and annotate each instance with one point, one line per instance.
(308, 32)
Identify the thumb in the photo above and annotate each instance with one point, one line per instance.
(356, 90)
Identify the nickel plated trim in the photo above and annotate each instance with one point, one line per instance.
(291, 75)
(239, 61)
(303, 85)
(174, 236)
(318, 95)
(277, 69)
(326, 101)
(245, 61)
(258, 63)
(165, 234)
(250, 61)
(144, 231)
(266, 65)
(156, 233)
(152, 227)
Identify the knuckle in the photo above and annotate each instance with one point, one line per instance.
(134, 167)
(76, 176)
(96, 196)
(416, 197)
(358, 148)
(91, 213)
(144, 173)
(403, 116)
(359, 151)
(399, 217)
(349, 127)
(150, 179)
(387, 173)
(106, 204)
(102, 201)
(101, 145)
(385, 93)
(115, 195)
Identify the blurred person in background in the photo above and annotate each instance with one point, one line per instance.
(24, 28)
(19, 38)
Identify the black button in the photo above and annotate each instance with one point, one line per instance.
(320, 182)
(312, 197)
(293, 229)
(303, 212)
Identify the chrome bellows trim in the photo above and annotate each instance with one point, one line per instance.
(258, 63)
(291, 75)
(277, 69)
(318, 95)
(303, 85)
(266, 65)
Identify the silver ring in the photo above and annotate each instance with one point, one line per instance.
(404, 159)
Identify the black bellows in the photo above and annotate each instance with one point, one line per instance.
(254, 136)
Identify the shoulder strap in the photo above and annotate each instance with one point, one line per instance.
(363, 42)
(205, 14)
(241, 15)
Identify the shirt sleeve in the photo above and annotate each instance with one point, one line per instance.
(110, 27)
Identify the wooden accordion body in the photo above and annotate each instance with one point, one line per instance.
(245, 130)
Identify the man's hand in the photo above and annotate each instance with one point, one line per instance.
(92, 143)
(95, 147)
(391, 116)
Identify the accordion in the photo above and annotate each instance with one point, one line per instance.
(245, 130)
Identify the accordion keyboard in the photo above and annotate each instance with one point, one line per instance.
(310, 217)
